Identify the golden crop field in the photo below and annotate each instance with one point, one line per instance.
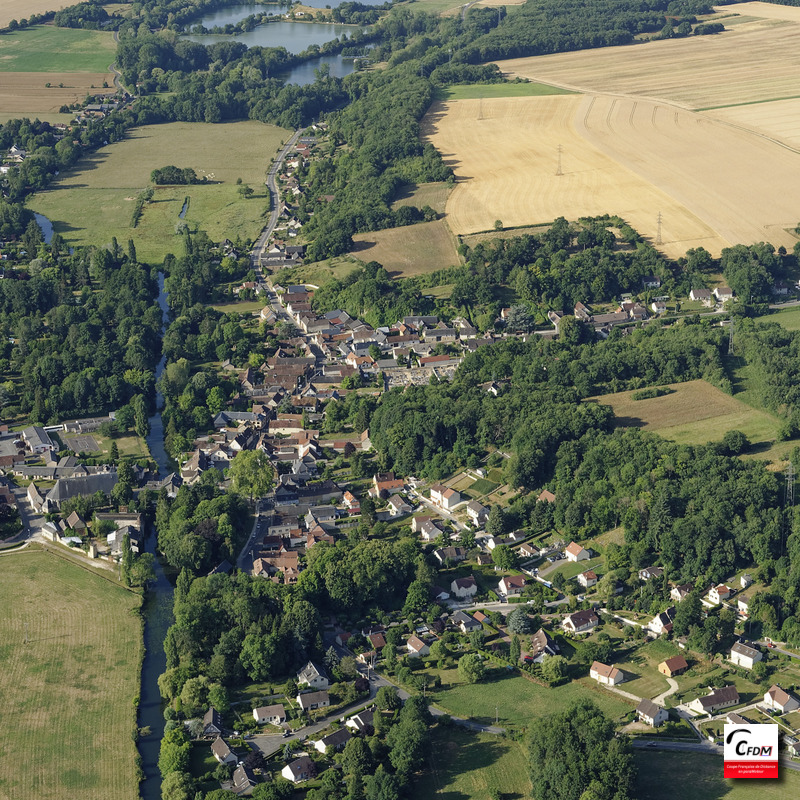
(751, 62)
(627, 156)
(410, 250)
(25, 93)
(67, 695)
(22, 9)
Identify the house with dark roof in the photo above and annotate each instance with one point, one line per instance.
(314, 676)
(212, 723)
(81, 486)
(542, 646)
(363, 721)
(299, 770)
(650, 572)
(511, 585)
(223, 753)
(244, 780)
(309, 701)
(745, 655)
(715, 700)
(274, 714)
(464, 588)
(651, 714)
(581, 621)
(466, 622)
(334, 741)
(450, 553)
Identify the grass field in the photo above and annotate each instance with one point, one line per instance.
(410, 250)
(695, 412)
(469, 765)
(319, 272)
(24, 94)
(476, 91)
(94, 202)
(67, 710)
(517, 700)
(45, 48)
(695, 776)
(789, 318)
(424, 194)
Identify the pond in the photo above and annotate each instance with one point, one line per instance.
(45, 225)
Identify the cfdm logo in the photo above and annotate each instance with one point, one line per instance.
(751, 751)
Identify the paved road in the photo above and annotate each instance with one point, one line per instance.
(258, 247)
(779, 650)
(673, 687)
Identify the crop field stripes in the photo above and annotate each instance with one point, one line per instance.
(588, 113)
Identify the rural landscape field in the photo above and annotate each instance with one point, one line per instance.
(95, 201)
(67, 711)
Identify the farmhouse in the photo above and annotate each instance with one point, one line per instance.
(780, 700)
(575, 552)
(581, 621)
(676, 665)
(308, 701)
(511, 586)
(651, 714)
(464, 588)
(606, 674)
(587, 579)
(301, 769)
(275, 714)
(744, 655)
(715, 700)
(222, 752)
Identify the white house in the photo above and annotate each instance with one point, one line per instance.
(715, 699)
(309, 701)
(477, 513)
(333, 741)
(745, 656)
(678, 593)
(662, 623)
(743, 604)
(273, 715)
(650, 572)
(606, 674)
(581, 621)
(416, 647)
(587, 579)
(464, 588)
(301, 769)
(313, 676)
(781, 700)
(511, 585)
(443, 497)
(223, 753)
(651, 714)
(723, 293)
(575, 552)
(398, 506)
(703, 296)
(362, 721)
(719, 593)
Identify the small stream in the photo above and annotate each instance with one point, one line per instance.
(157, 610)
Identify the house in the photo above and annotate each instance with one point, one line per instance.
(443, 497)
(385, 483)
(650, 572)
(428, 530)
(587, 579)
(464, 588)
(377, 641)
(745, 580)
(526, 550)
(75, 522)
(313, 676)
(299, 770)
(732, 718)
(743, 604)
(662, 623)
(439, 595)
(452, 554)
(723, 293)
(676, 665)
(274, 715)
(511, 586)
(605, 674)
(651, 714)
(416, 647)
(575, 552)
(780, 700)
(744, 655)
(398, 506)
(546, 496)
(333, 741)
(222, 752)
(362, 722)
(351, 503)
(212, 723)
(308, 701)
(466, 622)
(715, 699)
(477, 513)
(581, 621)
(38, 440)
(719, 593)
(542, 646)
(678, 593)
(658, 307)
(703, 296)
(244, 780)
(651, 282)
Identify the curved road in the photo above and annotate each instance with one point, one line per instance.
(258, 247)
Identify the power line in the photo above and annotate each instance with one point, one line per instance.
(559, 171)
(658, 235)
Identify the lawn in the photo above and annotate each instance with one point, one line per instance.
(477, 91)
(482, 486)
(318, 272)
(788, 318)
(515, 700)
(67, 710)
(94, 201)
(462, 764)
(641, 668)
(695, 412)
(410, 250)
(240, 307)
(571, 569)
(45, 48)
(128, 445)
(695, 776)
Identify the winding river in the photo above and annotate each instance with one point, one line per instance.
(157, 610)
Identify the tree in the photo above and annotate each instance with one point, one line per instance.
(177, 786)
(387, 699)
(407, 741)
(519, 319)
(575, 750)
(470, 668)
(554, 668)
(382, 785)
(518, 621)
(514, 650)
(251, 473)
(503, 556)
(174, 754)
(687, 614)
(496, 524)
(356, 757)
(417, 599)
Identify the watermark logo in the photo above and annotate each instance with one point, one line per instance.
(751, 751)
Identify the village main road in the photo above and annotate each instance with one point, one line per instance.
(261, 242)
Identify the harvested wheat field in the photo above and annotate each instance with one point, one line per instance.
(763, 10)
(411, 250)
(26, 93)
(67, 711)
(752, 62)
(634, 158)
(22, 9)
